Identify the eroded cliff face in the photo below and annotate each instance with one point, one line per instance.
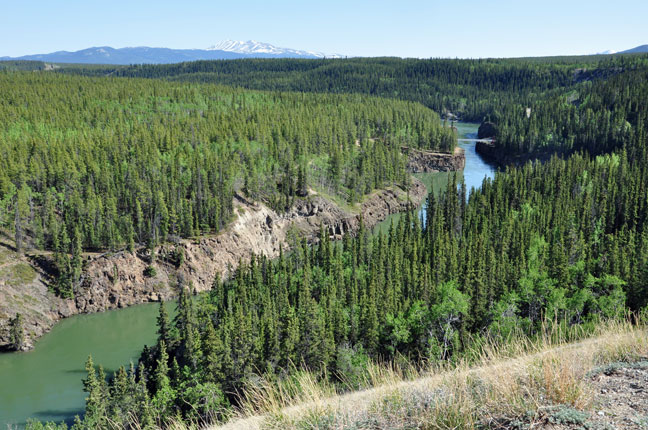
(23, 289)
(421, 161)
(491, 152)
(118, 279)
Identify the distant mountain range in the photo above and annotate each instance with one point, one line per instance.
(252, 47)
(637, 50)
(226, 50)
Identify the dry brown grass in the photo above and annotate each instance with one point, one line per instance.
(499, 384)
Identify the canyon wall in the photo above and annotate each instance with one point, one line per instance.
(422, 161)
(119, 279)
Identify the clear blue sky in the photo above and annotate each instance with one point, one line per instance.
(452, 28)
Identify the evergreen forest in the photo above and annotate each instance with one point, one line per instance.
(561, 238)
(96, 164)
(468, 89)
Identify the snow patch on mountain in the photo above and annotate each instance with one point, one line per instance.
(255, 47)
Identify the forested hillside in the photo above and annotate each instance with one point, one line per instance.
(468, 88)
(471, 89)
(564, 242)
(596, 116)
(16, 65)
(93, 164)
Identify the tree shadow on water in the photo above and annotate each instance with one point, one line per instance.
(83, 372)
(57, 415)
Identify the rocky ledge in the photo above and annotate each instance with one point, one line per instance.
(117, 280)
(422, 161)
(23, 289)
(491, 152)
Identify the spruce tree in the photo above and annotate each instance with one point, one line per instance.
(17, 332)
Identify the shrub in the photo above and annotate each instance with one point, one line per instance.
(150, 271)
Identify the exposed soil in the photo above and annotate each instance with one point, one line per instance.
(620, 397)
(421, 161)
(619, 401)
(117, 280)
(23, 288)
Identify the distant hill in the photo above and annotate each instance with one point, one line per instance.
(227, 50)
(637, 50)
(24, 65)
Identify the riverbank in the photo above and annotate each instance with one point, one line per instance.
(118, 280)
(114, 338)
(422, 161)
(493, 154)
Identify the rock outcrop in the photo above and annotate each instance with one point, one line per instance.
(422, 161)
(489, 151)
(118, 279)
(23, 289)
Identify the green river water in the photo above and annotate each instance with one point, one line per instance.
(45, 383)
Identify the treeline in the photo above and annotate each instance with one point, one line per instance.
(471, 89)
(596, 116)
(93, 164)
(565, 241)
(24, 65)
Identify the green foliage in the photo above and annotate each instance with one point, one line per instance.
(352, 365)
(470, 88)
(96, 164)
(566, 415)
(17, 332)
(597, 116)
(150, 272)
(15, 65)
(178, 257)
(97, 401)
(37, 425)
(421, 292)
(563, 241)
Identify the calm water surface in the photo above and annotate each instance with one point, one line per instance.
(45, 383)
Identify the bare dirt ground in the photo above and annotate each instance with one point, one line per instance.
(619, 401)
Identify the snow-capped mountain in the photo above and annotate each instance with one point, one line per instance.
(227, 50)
(252, 47)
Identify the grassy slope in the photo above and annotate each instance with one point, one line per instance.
(523, 382)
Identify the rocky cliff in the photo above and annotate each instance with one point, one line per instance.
(23, 288)
(421, 161)
(491, 152)
(118, 279)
